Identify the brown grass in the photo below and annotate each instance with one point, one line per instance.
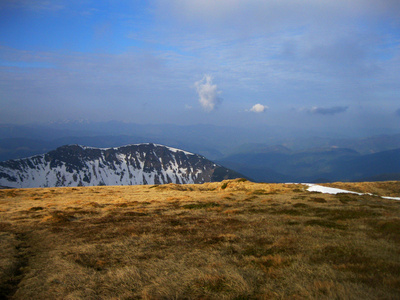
(226, 240)
(380, 188)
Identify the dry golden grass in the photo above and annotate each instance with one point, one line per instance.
(381, 188)
(227, 240)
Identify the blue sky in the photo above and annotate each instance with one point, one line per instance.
(301, 63)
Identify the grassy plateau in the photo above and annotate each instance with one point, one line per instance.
(226, 240)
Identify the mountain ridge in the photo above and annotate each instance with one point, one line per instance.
(133, 164)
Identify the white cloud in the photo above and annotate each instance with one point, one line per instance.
(258, 108)
(208, 93)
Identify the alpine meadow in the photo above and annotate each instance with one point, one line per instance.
(224, 240)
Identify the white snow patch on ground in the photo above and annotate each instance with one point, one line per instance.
(334, 191)
(327, 190)
(157, 145)
(392, 198)
(177, 150)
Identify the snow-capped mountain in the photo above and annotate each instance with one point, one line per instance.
(75, 165)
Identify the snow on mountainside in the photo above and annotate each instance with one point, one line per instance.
(75, 165)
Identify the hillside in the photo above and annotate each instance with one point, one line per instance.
(223, 240)
(75, 165)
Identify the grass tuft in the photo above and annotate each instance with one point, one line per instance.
(325, 223)
(224, 185)
(317, 200)
(201, 205)
(388, 228)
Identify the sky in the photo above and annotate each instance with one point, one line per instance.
(332, 64)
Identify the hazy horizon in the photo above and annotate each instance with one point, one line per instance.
(307, 65)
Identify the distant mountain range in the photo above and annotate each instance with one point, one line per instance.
(267, 154)
(213, 142)
(75, 165)
(279, 164)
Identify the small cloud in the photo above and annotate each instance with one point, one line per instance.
(188, 107)
(258, 108)
(328, 110)
(208, 93)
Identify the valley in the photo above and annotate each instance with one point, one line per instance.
(327, 164)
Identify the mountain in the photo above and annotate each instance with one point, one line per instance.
(259, 148)
(380, 164)
(315, 165)
(75, 165)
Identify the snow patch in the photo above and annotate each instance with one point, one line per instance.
(157, 145)
(391, 198)
(327, 190)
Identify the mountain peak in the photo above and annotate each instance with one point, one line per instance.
(78, 165)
